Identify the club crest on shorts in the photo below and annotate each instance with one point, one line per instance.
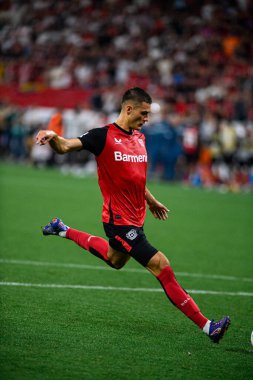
(132, 234)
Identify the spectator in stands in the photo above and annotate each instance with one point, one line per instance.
(56, 122)
(17, 138)
(164, 149)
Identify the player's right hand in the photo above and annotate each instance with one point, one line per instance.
(43, 137)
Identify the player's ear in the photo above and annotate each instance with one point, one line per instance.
(129, 109)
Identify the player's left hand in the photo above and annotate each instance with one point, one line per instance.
(159, 210)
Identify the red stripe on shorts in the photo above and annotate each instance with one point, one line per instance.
(124, 243)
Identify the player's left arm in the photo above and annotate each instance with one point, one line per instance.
(157, 208)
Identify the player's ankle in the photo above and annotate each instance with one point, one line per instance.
(206, 328)
(63, 233)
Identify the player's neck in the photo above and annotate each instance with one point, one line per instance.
(122, 123)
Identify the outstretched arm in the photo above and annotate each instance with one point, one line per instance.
(157, 208)
(57, 143)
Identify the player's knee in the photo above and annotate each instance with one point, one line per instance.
(117, 259)
(117, 264)
(157, 263)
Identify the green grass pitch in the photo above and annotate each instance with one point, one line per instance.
(113, 332)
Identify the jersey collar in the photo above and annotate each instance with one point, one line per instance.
(123, 130)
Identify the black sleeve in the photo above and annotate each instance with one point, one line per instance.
(94, 140)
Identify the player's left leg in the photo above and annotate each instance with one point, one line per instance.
(99, 247)
(96, 245)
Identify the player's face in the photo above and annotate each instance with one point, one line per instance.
(138, 115)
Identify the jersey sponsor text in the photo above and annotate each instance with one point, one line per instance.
(119, 156)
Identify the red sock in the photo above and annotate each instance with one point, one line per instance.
(180, 298)
(94, 244)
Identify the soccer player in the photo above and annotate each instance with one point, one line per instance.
(121, 158)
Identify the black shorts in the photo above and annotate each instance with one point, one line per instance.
(130, 240)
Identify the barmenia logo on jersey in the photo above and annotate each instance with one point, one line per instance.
(119, 156)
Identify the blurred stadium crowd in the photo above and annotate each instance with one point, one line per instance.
(195, 58)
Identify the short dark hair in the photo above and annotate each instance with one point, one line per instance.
(136, 94)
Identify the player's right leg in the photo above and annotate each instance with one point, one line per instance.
(96, 245)
(160, 267)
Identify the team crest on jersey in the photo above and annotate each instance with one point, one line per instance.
(132, 234)
(141, 142)
(117, 141)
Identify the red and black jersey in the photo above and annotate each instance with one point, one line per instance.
(122, 167)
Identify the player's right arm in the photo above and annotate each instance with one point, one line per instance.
(58, 144)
